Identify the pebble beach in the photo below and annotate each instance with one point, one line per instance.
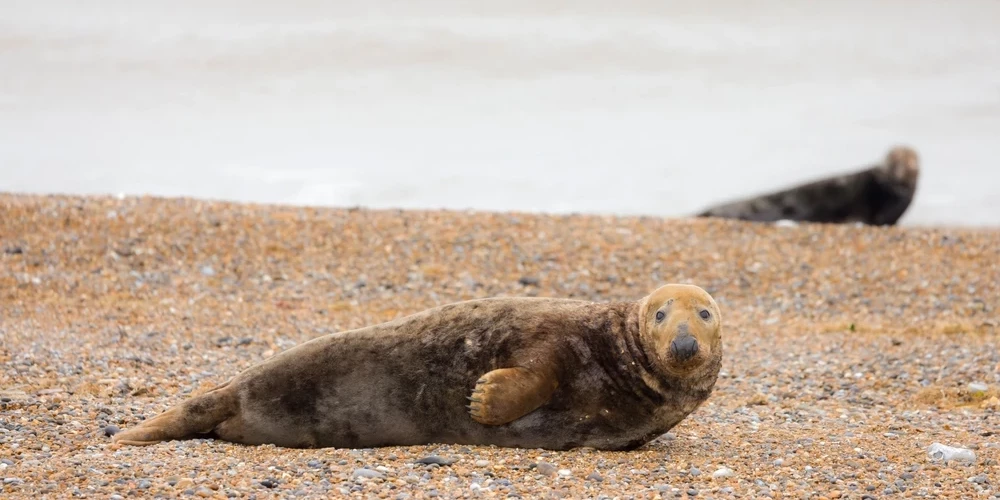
(849, 351)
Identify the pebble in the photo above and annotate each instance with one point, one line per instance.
(978, 387)
(546, 468)
(722, 472)
(565, 472)
(482, 463)
(368, 473)
(111, 430)
(436, 460)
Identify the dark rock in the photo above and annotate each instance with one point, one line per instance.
(529, 281)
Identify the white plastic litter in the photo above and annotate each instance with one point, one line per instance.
(941, 452)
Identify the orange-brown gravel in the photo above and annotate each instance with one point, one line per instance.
(849, 350)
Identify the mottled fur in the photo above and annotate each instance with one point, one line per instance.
(563, 374)
(876, 196)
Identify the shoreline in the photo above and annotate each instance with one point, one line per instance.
(26, 196)
(848, 350)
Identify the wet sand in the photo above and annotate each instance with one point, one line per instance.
(849, 350)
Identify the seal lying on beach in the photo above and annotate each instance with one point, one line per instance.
(514, 372)
(875, 196)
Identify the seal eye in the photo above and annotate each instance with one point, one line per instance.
(704, 314)
(659, 315)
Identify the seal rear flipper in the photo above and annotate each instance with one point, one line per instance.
(507, 394)
(198, 415)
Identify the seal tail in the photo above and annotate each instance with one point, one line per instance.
(198, 415)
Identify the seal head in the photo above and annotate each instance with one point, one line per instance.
(901, 167)
(682, 325)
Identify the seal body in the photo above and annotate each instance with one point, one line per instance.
(877, 196)
(513, 372)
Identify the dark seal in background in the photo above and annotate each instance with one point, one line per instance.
(878, 196)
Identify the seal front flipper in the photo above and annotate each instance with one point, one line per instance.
(507, 394)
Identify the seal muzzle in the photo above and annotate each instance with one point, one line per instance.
(684, 347)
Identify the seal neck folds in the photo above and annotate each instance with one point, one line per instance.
(656, 376)
(676, 332)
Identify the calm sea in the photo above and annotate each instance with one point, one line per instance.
(630, 107)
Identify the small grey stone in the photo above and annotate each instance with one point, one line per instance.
(980, 479)
(693, 492)
(482, 463)
(367, 473)
(594, 476)
(528, 280)
(695, 471)
(436, 460)
(144, 484)
(545, 468)
(207, 271)
(269, 483)
(110, 430)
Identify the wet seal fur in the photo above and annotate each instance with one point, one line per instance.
(877, 196)
(524, 372)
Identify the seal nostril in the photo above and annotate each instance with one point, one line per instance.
(684, 347)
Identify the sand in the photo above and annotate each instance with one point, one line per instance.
(849, 350)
